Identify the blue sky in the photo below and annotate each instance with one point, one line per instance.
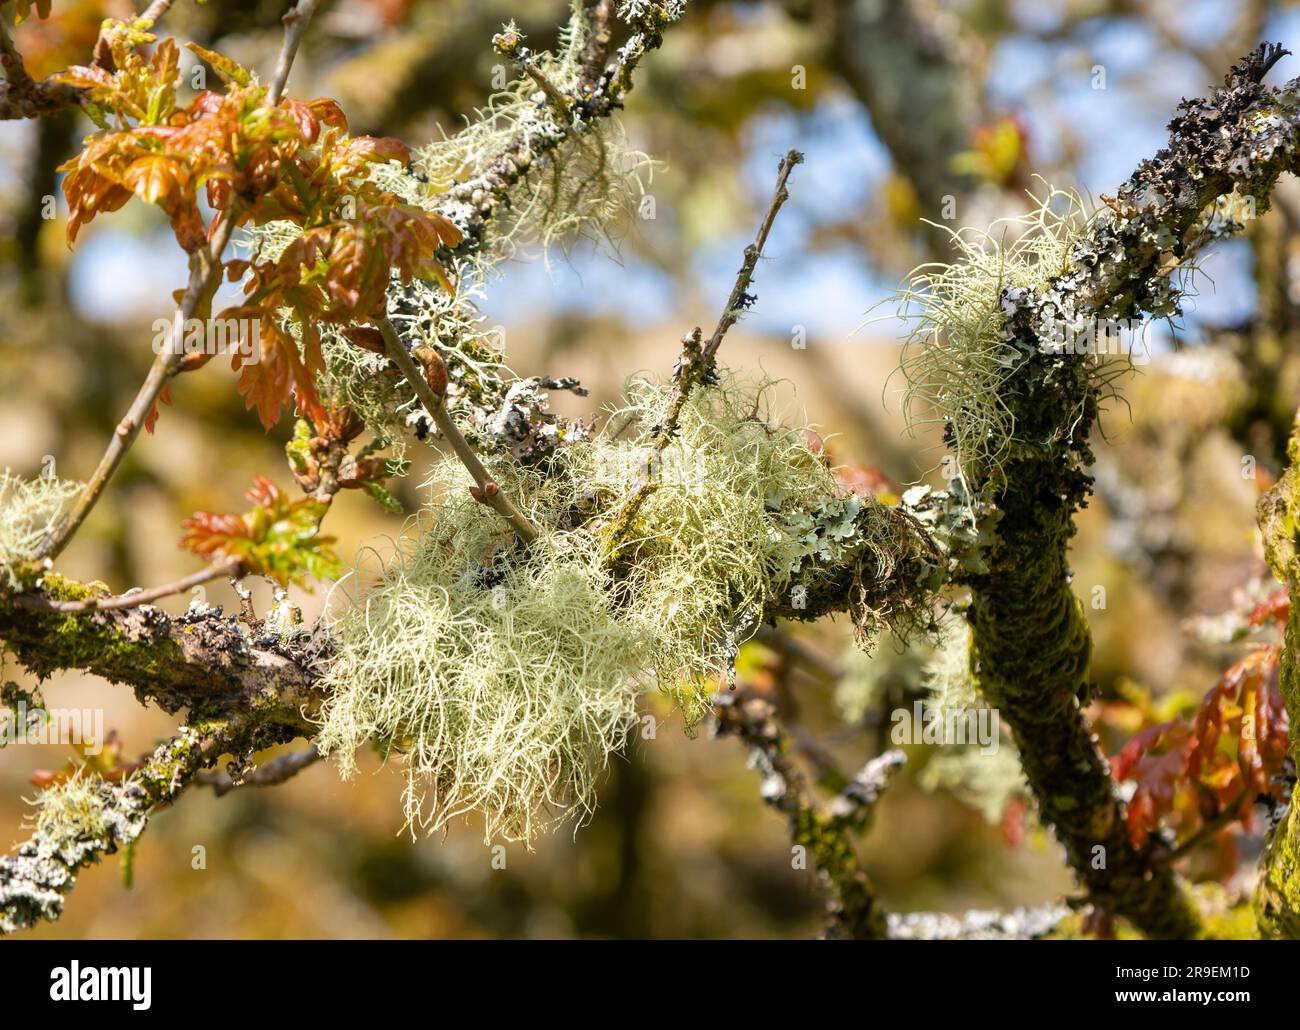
(118, 269)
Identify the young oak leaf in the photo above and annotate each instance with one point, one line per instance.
(1192, 772)
(279, 537)
(1156, 758)
(336, 273)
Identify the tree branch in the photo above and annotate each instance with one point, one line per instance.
(1031, 641)
(205, 276)
(278, 770)
(133, 598)
(295, 25)
(35, 879)
(825, 834)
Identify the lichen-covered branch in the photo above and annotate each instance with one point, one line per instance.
(1031, 640)
(1019, 924)
(80, 821)
(599, 91)
(269, 774)
(824, 832)
(202, 661)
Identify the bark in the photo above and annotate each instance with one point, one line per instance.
(1031, 640)
(1277, 895)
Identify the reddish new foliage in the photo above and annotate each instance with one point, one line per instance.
(279, 538)
(256, 163)
(1190, 773)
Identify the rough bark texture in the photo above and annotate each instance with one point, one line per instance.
(1277, 896)
(1031, 640)
(823, 833)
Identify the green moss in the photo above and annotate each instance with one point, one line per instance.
(46, 641)
(1277, 901)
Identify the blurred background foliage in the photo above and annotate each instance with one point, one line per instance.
(906, 109)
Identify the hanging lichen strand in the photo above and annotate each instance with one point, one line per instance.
(505, 676)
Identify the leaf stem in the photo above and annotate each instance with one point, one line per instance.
(205, 277)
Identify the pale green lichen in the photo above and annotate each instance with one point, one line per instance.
(74, 824)
(29, 509)
(985, 782)
(957, 360)
(72, 810)
(587, 186)
(506, 676)
(947, 675)
(984, 777)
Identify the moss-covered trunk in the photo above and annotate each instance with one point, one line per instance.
(1031, 649)
(1277, 896)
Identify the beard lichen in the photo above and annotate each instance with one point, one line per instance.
(958, 357)
(506, 676)
(584, 185)
(29, 509)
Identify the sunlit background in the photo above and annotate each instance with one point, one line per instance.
(899, 107)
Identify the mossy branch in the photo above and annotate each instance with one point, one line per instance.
(1277, 895)
(1031, 639)
(202, 660)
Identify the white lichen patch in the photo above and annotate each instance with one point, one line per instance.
(73, 824)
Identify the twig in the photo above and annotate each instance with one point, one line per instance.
(696, 363)
(295, 24)
(274, 772)
(825, 835)
(20, 95)
(595, 54)
(486, 490)
(205, 277)
(1205, 832)
(155, 11)
(134, 598)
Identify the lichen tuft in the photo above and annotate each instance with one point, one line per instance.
(506, 676)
